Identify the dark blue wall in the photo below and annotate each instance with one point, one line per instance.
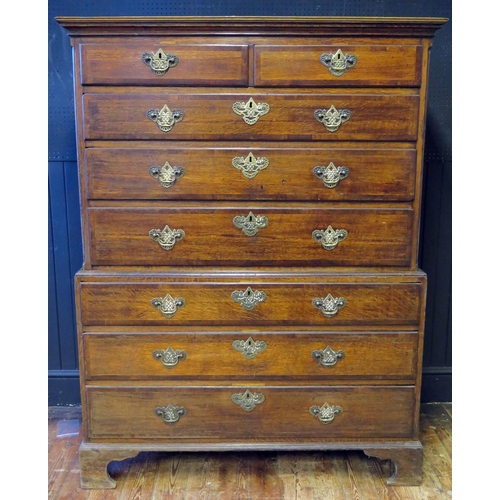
(65, 251)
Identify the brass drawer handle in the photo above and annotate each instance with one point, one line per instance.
(160, 62)
(248, 299)
(330, 175)
(248, 401)
(327, 357)
(329, 238)
(249, 348)
(170, 413)
(250, 224)
(330, 305)
(331, 118)
(250, 166)
(168, 305)
(164, 118)
(169, 357)
(166, 175)
(339, 62)
(251, 111)
(167, 238)
(325, 413)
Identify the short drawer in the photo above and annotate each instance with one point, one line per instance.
(181, 413)
(289, 116)
(240, 354)
(152, 62)
(338, 65)
(251, 235)
(224, 173)
(133, 302)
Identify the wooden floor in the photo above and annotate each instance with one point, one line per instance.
(251, 476)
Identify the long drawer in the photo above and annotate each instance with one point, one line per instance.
(235, 173)
(251, 235)
(249, 355)
(289, 116)
(178, 413)
(136, 302)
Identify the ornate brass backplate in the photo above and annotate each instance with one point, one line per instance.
(248, 299)
(327, 357)
(160, 62)
(164, 118)
(250, 224)
(250, 166)
(330, 305)
(168, 305)
(248, 401)
(166, 175)
(330, 175)
(170, 413)
(169, 357)
(167, 238)
(331, 118)
(249, 348)
(329, 238)
(251, 111)
(325, 413)
(339, 62)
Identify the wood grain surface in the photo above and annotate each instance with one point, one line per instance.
(129, 356)
(286, 65)
(198, 64)
(374, 174)
(369, 412)
(210, 115)
(376, 237)
(126, 302)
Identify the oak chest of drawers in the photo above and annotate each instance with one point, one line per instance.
(250, 193)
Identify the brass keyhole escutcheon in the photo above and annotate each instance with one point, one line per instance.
(248, 400)
(250, 166)
(249, 299)
(159, 62)
(251, 111)
(251, 223)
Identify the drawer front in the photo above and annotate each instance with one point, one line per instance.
(211, 116)
(288, 173)
(374, 65)
(213, 235)
(200, 64)
(244, 355)
(205, 303)
(136, 413)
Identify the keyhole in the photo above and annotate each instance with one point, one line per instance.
(338, 56)
(159, 55)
